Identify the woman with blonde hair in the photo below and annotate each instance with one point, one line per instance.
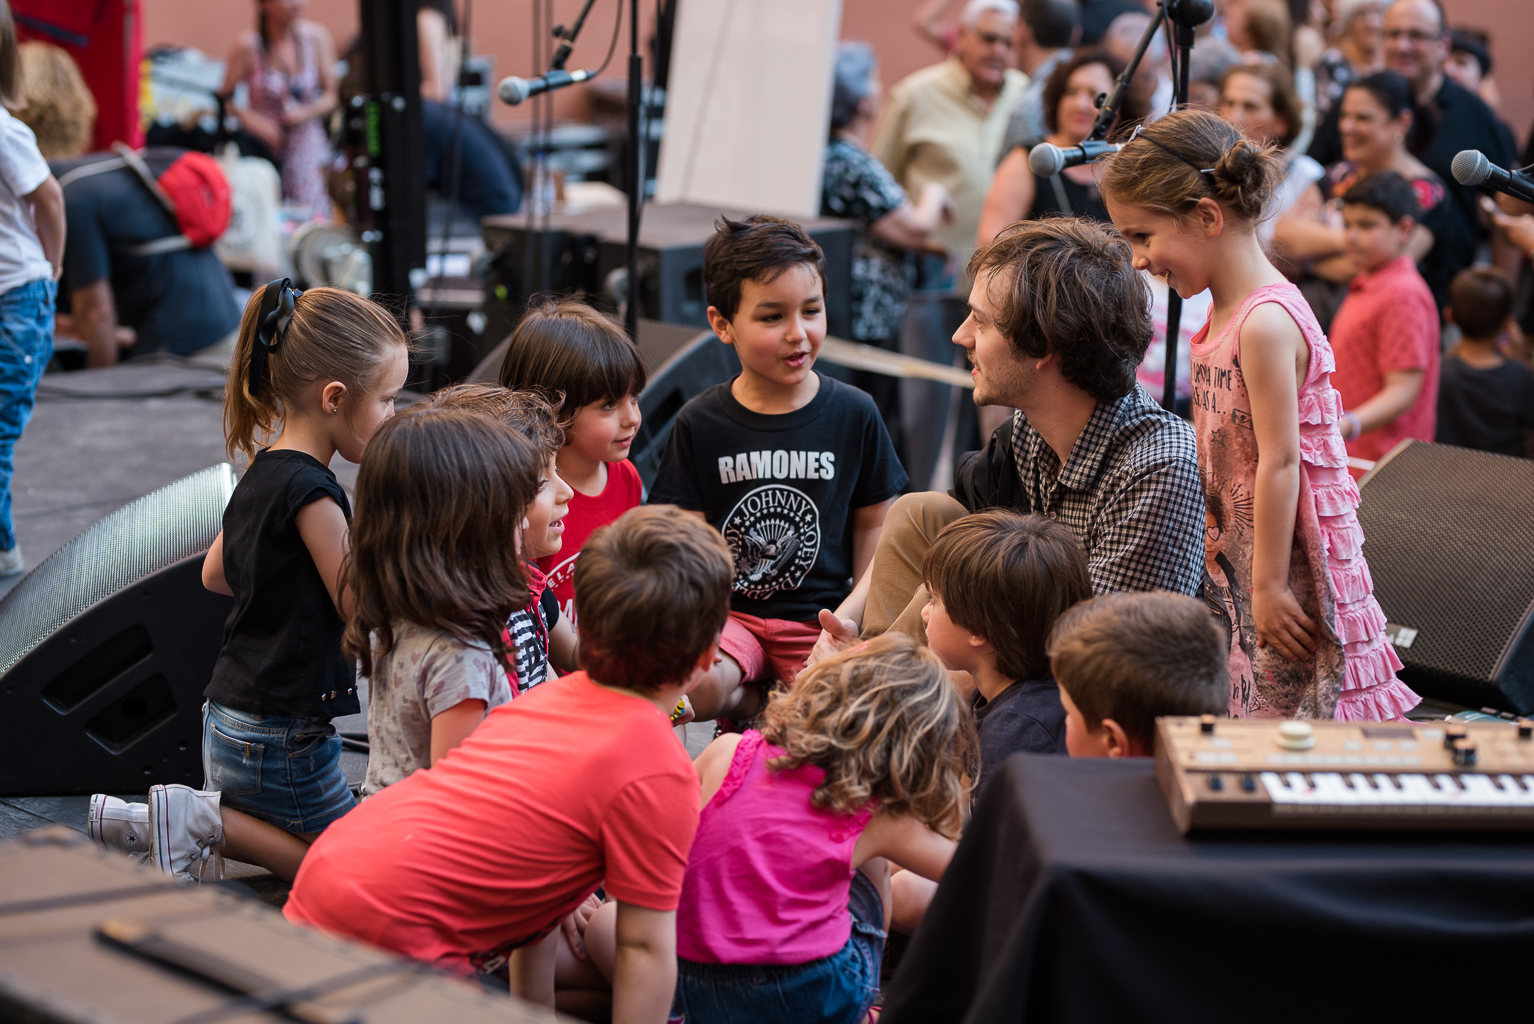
(54, 101)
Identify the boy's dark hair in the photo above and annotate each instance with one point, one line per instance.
(529, 412)
(758, 248)
(428, 543)
(1133, 657)
(1008, 577)
(652, 592)
(1068, 286)
(1482, 300)
(1385, 191)
(1052, 23)
(572, 352)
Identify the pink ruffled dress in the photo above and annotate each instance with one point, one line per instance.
(1351, 676)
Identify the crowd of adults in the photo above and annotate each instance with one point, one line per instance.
(1343, 88)
(127, 288)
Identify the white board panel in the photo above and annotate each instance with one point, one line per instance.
(749, 104)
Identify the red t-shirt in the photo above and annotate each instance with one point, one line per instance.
(1387, 322)
(623, 492)
(568, 787)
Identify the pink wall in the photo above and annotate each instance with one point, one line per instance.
(502, 28)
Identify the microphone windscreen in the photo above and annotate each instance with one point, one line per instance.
(512, 90)
(1470, 167)
(1046, 160)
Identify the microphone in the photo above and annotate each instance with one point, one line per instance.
(1470, 167)
(1047, 160)
(514, 90)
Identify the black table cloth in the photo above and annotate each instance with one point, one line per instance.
(1073, 898)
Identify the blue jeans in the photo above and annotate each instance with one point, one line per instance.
(286, 771)
(26, 345)
(837, 989)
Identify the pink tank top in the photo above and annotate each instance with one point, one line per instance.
(768, 877)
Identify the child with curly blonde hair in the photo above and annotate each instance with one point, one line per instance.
(860, 765)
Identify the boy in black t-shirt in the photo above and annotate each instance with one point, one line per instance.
(793, 468)
(1485, 400)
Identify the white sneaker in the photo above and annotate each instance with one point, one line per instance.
(11, 562)
(115, 824)
(185, 831)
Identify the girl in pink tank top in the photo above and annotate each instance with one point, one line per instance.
(1282, 538)
(786, 898)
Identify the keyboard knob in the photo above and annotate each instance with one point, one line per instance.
(1296, 736)
(1249, 783)
(1452, 735)
(1216, 783)
(1525, 729)
(1464, 753)
(1206, 724)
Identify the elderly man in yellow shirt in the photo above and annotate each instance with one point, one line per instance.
(945, 123)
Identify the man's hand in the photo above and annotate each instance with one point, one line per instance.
(836, 635)
(1519, 230)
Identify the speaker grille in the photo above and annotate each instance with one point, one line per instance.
(1450, 543)
(142, 537)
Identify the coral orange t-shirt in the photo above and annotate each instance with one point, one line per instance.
(566, 788)
(624, 491)
(1387, 322)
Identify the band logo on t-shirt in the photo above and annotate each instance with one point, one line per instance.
(777, 465)
(774, 534)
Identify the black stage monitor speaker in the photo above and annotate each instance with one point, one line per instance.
(1450, 543)
(106, 646)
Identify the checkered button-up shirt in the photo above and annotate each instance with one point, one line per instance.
(1129, 491)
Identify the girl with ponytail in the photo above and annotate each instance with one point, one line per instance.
(1282, 536)
(314, 374)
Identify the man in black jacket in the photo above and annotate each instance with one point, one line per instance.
(1059, 320)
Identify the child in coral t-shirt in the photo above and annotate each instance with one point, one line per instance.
(569, 350)
(454, 866)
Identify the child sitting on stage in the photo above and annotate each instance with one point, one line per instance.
(1485, 400)
(794, 468)
(590, 368)
(539, 634)
(433, 581)
(320, 370)
(577, 783)
(786, 897)
(1123, 660)
(998, 582)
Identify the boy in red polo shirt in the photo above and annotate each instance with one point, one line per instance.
(1385, 335)
(579, 782)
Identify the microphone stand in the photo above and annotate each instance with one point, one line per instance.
(634, 173)
(1181, 17)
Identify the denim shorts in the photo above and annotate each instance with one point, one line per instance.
(286, 771)
(837, 989)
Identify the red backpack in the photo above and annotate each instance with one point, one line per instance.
(193, 190)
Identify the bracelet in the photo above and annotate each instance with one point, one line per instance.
(1354, 427)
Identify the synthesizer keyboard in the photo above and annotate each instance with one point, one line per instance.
(1219, 773)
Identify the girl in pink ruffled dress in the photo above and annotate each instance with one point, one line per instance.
(1283, 541)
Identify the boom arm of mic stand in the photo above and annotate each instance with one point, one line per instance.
(567, 39)
(1106, 112)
